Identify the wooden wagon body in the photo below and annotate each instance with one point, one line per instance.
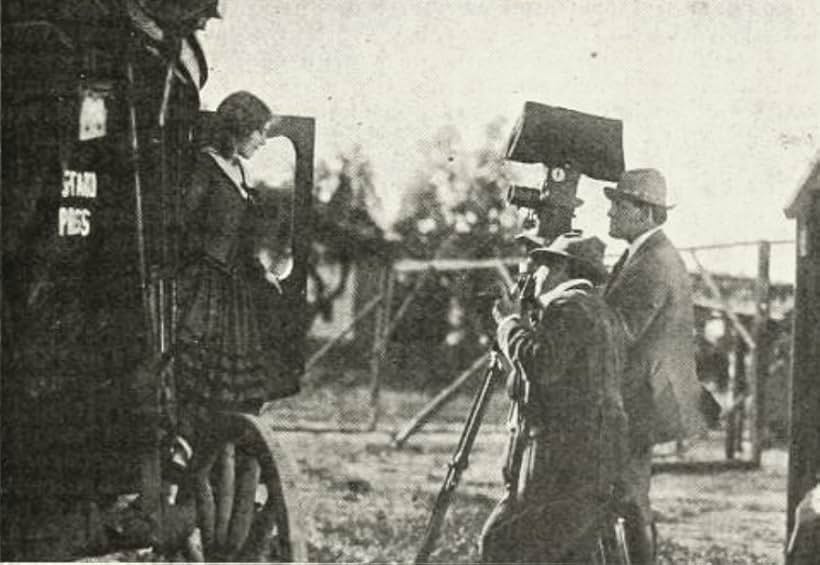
(100, 115)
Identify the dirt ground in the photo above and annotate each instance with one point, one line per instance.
(361, 500)
(364, 501)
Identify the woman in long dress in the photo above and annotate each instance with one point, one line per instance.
(220, 363)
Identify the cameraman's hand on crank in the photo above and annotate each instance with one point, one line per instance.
(505, 306)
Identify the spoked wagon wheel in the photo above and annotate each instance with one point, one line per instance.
(247, 495)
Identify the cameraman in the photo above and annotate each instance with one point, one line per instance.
(572, 354)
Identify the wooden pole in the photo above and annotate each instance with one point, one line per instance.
(735, 416)
(438, 401)
(391, 324)
(385, 326)
(379, 345)
(742, 376)
(375, 361)
(443, 265)
(734, 422)
(759, 359)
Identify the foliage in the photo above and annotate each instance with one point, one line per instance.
(346, 204)
(455, 204)
(454, 208)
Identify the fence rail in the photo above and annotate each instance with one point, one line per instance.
(386, 317)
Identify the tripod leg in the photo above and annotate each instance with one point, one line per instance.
(458, 463)
(491, 545)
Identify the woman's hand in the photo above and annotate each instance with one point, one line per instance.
(276, 269)
(273, 279)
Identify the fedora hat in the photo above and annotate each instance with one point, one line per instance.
(643, 185)
(586, 254)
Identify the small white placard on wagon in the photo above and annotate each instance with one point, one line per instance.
(93, 115)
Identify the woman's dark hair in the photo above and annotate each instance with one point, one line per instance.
(239, 115)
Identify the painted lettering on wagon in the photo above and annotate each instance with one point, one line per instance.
(79, 183)
(76, 220)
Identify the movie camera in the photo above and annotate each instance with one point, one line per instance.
(568, 143)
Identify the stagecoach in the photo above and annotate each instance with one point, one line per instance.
(101, 118)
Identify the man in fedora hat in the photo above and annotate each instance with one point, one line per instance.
(570, 354)
(650, 294)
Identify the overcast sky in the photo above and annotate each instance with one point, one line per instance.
(722, 96)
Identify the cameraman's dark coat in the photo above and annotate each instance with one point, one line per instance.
(652, 299)
(576, 448)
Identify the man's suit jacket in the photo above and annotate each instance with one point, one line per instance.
(652, 297)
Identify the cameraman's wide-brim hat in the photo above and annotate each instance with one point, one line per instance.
(585, 253)
(643, 185)
(531, 238)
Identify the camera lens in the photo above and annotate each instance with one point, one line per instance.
(523, 196)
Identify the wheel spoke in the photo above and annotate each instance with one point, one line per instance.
(205, 504)
(246, 459)
(247, 481)
(226, 473)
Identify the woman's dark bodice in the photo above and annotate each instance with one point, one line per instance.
(216, 217)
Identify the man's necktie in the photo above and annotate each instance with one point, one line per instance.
(616, 269)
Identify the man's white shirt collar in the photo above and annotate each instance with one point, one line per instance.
(640, 240)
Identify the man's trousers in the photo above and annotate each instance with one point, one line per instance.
(636, 510)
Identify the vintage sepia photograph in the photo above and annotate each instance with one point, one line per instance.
(390, 281)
